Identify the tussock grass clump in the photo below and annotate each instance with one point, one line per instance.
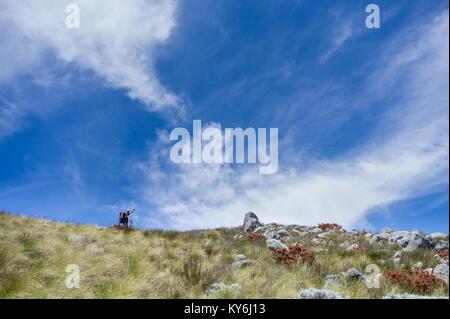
(10, 277)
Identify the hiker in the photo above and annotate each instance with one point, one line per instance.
(124, 217)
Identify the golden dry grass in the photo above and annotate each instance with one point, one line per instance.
(34, 254)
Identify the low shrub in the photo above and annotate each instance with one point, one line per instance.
(256, 237)
(443, 253)
(327, 226)
(296, 253)
(415, 279)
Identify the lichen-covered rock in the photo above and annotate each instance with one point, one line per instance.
(275, 232)
(442, 245)
(313, 293)
(275, 244)
(441, 271)
(353, 274)
(243, 263)
(379, 238)
(414, 240)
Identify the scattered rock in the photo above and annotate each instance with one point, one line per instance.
(398, 254)
(332, 280)
(441, 271)
(275, 244)
(442, 245)
(438, 236)
(283, 233)
(410, 296)
(239, 257)
(409, 240)
(217, 288)
(313, 293)
(379, 238)
(414, 240)
(368, 235)
(275, 232)
(396, 236)
(417, 266)
(303, 229)
(242, 263)
(251, 222)
(353, 274)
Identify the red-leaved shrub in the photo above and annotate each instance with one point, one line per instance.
(296, 253)
(415, 278)
(256, 237)
(328, 226)
(443, 253)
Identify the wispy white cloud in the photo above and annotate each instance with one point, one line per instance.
(11, 117)
(116, 40)
(341, 34)
(406, 157)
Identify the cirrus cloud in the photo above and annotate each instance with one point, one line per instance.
(117, 40)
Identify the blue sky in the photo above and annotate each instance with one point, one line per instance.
(362, 113)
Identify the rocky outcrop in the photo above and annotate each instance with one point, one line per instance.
(251, 222)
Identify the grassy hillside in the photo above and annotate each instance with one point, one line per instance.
(34, 254)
